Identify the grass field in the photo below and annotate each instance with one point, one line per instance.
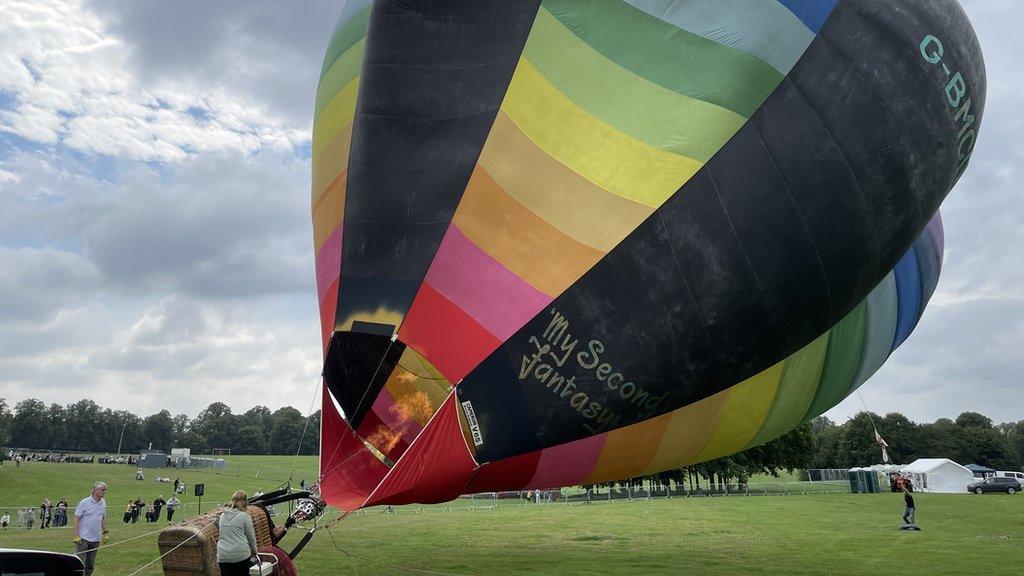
(799, 534)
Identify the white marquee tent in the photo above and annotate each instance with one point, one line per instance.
(938, 475)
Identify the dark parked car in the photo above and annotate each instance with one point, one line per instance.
(39, 563)
(1008, 485)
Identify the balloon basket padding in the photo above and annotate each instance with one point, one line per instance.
(194, 542)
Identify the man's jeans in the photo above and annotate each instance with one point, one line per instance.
(908, 513)
(86, 552)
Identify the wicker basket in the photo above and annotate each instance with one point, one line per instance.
(196, 542)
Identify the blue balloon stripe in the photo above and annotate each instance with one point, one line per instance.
(763, 28)
(908, 289)
(930, 262)
(812, 13)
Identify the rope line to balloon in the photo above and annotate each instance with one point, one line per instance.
(309, 413)
(148, 564)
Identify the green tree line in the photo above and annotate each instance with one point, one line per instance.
(971, 438)
(821, 443)
(86, 427)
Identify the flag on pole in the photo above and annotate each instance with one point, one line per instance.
(881, 442)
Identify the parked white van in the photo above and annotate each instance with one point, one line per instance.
(1006, 474)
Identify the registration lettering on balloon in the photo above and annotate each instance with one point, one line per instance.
(932, 51)
(553, 349)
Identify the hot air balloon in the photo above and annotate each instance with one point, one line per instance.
(571, 241)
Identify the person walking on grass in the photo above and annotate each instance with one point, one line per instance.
(910, 510)
(5, 520)
(158, 507)
(236, 546)
(172, 505)
(30, 518)
(89, 526)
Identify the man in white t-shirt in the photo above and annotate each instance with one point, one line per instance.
(90, 526)
(172, 505)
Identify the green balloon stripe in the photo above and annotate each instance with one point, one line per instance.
(344, 70)
(762, 28)
(630, 103)
(351, 29)
(846, 341)
(883, 311)
(797, 387)
(673, 58)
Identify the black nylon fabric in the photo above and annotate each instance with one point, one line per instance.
(357, 367)
(434, 74)
(777, 238)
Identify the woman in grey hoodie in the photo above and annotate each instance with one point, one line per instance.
(236, 545)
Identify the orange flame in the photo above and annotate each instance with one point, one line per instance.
(415, 406)
(383, 438)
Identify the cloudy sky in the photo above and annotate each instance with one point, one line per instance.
(155, 239)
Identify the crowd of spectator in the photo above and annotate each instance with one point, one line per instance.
(19, 456)
(48, 514)
(151, 512)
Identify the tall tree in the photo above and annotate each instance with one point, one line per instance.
(902, 436)
(158, 429)
(857, 446)
(6, 421)
(86, 428)
(30, 428)
(285, 432)
(973, 420)
(254, 430)
(60, 435)
(827, 436)
(217, 425)
(311, 441)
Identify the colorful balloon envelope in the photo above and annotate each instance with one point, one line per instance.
(574, 241)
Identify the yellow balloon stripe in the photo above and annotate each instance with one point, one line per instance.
(800, 377)
(687, 433)
(329, 211)
(619, 97)
(748, 404)
(344, 70)
(597, 151)
(338, 113)
(576, 206)
(333, 160)
(628, 449)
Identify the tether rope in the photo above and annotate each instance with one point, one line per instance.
(150, 563)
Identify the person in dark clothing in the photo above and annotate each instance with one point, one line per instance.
(139, 505)
(158, 506)
(910, 510)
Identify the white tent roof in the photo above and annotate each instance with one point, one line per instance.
(929, 464)
(938, 475)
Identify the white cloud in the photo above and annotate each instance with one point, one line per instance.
(73, 85)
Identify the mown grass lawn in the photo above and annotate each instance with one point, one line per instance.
(799, 534)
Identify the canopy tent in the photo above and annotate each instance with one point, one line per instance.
(980, 471)
(938, 475)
